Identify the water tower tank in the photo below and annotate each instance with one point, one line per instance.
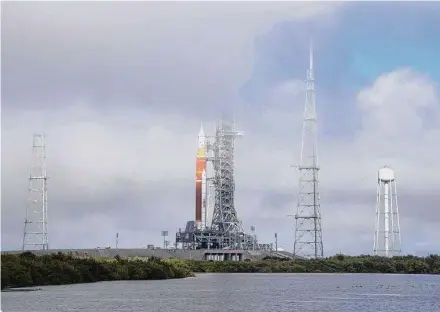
(386, 174)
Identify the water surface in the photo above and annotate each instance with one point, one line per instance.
(240, 293)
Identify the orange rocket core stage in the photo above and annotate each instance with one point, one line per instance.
(200, 167)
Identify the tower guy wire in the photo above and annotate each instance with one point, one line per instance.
(308, 233)
(387, 240)
(35, 234)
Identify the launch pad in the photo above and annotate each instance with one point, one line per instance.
(209, 238)
(215, 190)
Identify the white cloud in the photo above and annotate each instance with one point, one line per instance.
(392, 133)
(392, 105)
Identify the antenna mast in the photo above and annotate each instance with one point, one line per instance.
(308, 233)
(35, 223)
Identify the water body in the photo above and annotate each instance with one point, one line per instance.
(240, 293)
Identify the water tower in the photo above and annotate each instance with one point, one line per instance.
(387, 241)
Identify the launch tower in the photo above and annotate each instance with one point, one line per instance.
(387, 240)
(35, 223)
(217, 190)
(308, 234)
(224, 219)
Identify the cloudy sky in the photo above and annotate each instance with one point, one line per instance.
(120, 90)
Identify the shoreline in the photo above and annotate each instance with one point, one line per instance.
(28, 270)
(20, 289)
(337, 264)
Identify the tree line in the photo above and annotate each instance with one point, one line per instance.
(27, 269)
(335, 264)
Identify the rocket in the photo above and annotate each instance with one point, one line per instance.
(200, 179)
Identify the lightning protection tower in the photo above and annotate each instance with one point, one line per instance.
(308, 234)
(35, 223)
(387, 240)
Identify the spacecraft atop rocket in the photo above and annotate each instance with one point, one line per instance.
(201, 181)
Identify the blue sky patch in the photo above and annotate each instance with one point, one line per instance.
(369, 39)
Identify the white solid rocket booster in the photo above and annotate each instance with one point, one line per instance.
(200, 170)
(204, 199)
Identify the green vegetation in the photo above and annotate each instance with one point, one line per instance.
(27, 269)
(336, 264)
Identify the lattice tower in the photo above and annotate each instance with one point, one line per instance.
(308, 233)
(35, 234)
